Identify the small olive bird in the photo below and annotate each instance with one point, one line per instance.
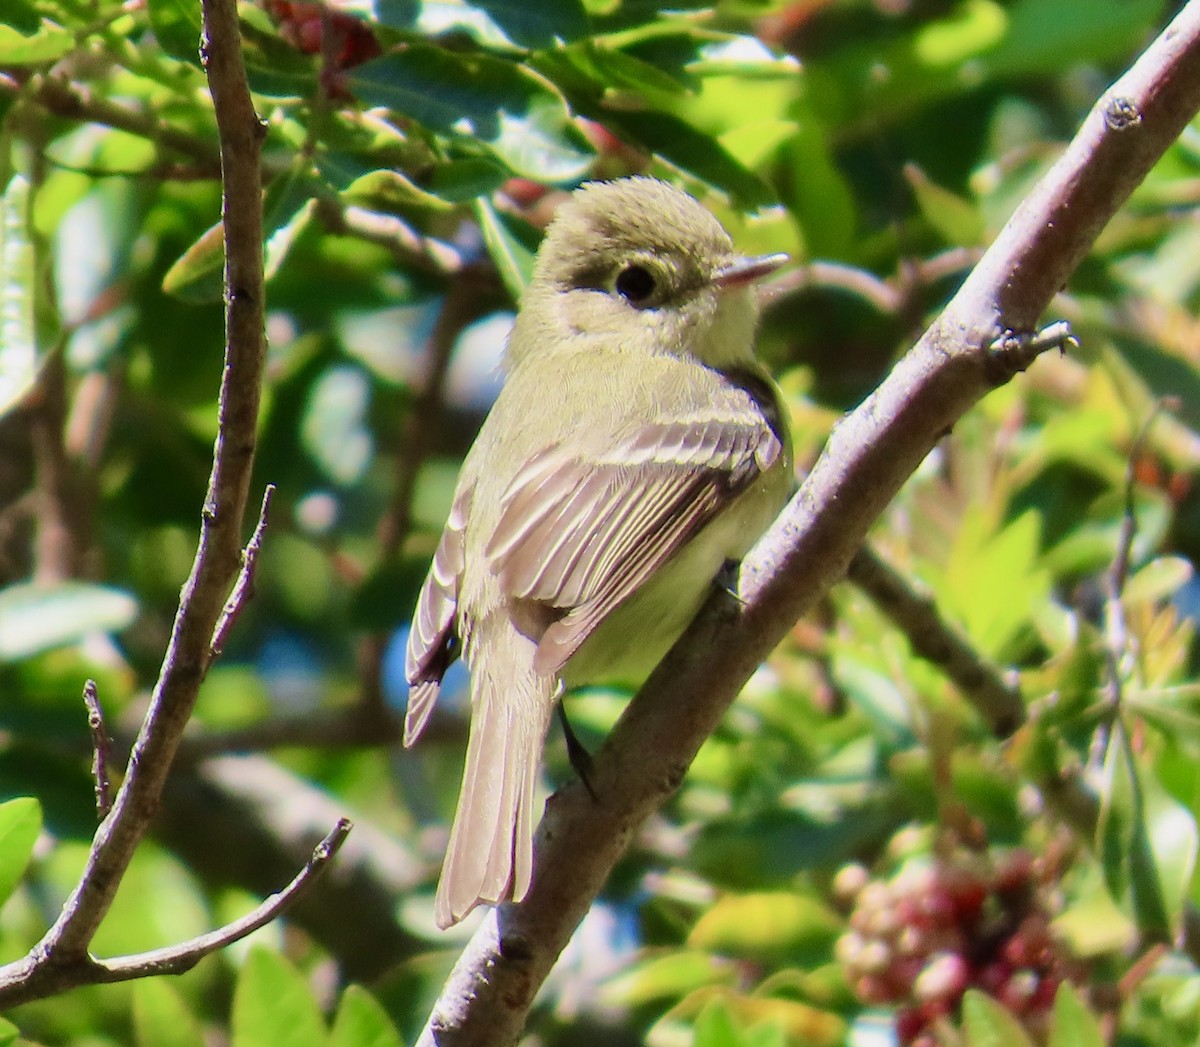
(636, 447)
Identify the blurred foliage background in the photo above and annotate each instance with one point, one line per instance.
(855, 857)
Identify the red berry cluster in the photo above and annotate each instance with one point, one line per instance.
(942, 925)
(303, 23)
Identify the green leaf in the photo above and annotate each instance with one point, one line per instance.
(1125, 837)
(362, 1022)
(517, 115)
(20, 823)
(177, 27)
(715, 1027)
(973, 27)
(537, 24)
(1073, 1024)
(512, 257)
(273, 1004)
(18, 344)
(987, 1024)
(36, 617)
(47, 44)
(766, 922)
(491, 23)
(196, 275)
(9, 1033)
(161, 1018)
(958, 221)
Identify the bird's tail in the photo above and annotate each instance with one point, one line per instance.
(490, 855)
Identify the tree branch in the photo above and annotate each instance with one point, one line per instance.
(960, 358)
(65, 946)
(937, 641)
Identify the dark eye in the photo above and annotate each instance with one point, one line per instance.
(635, 284)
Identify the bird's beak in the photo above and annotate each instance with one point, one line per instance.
(743, 271)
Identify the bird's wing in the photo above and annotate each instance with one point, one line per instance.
(433, 639)
(579, 536)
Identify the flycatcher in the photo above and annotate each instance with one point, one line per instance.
(637, 446)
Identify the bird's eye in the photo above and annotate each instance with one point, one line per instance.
(635, 284)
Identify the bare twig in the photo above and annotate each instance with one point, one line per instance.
(936, 640)
(868, 457)
(243, 588)
(76, 102)
(101, 749)
(247, 822)
(175, 959)
(63, 950)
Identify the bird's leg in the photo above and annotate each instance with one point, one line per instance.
(726, 580)
(581, 759)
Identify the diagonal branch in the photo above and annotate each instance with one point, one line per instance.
(216, 565)
(963, 355)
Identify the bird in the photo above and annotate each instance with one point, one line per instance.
(636, 448)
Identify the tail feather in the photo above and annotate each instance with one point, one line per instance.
(490, 855)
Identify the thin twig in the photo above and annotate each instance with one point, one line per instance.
(243, 588)
(175, 959)
(67, 974)
(188, 655)
(101, 749)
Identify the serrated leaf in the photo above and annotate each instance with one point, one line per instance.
(362, 1022)
(18, 343)
(474, 97)
(987, 1024)
(513, 259)
(161, 1018)
(20, 824)
(1073, 1024)
(273, 1004)
(36, 617)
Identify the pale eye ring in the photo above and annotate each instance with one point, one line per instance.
(635, 284)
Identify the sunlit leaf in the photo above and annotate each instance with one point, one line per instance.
(751, 924)
(273, 1004)
(1073, 1024)
(987, 1024)
(36, 617)
(47, 43)
(161, 1017)
(362, 1022)
(18, 343)
(958, 221)
(493, 101)
(512, 258)
(20, 824)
